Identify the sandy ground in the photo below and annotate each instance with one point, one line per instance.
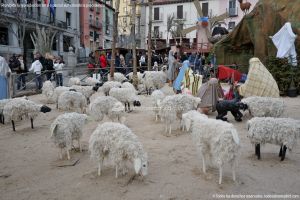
(29, 164)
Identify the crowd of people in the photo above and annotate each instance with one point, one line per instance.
(44, 68)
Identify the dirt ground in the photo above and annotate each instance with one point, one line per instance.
(30, 167)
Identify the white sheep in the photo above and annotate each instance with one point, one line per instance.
(172, 108)
(109, 85)
(264, 106)
(157, 97)
(107, 105)
(3, 102)
(129, 85)
(154, 80)
(19, 108)
(139, 75)
(48, 91)
(217, 141)
(118, 77)
(126, 96)
(74, 81)
(116, 143)
(72, 100)
(66, 128)
(91, 81)
(87, 91)
(278, 131)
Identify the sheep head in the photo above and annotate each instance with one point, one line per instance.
(141, 165)
(45, 109)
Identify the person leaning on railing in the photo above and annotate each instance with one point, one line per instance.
(36, 67)
(91, 64)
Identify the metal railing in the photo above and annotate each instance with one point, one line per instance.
(30, 15)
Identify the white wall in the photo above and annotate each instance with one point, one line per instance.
(189, 12)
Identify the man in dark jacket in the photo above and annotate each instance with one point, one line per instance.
(14, 63)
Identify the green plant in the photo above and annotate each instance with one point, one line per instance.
(283, 73)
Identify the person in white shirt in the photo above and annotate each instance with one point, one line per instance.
(58, 66)
(36, 67)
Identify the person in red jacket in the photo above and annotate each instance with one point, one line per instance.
(103, 63)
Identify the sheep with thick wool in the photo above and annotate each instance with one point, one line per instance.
(129, 76)
(107, 86)
(217, 141)
(19, 108)
(126, 96)
(48, 91)
(129, 85)
(118, 77)
(264, 106)
(74, 81)
(87, 91)
(117, 144)
(154, 80)
(278, 131)
(66, 128)
(3, 102)
(157, 97)
(172, 108)
(72, 100)
(92, 81)
(109, 106)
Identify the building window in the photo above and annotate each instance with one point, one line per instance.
(156, 31)
(107, 22)
(156, 13)
(124, 20)
(97, 22)
(125, 10)
(231, 25)
(3, 36)
(68, 18)
(66, 43)
(205, 9)
(91, 19)
(232, 8)
(180, 12)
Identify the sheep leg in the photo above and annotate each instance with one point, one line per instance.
(60, 154)
(13, 125)
(156, 117)
(68, 154)
(170, 130)
(280, 152)
(233, 171)
(116, 171)
(31, 120)
(257, 151)
(203, 163)
(128, 107)
(221, 174)
(79, 144)
(283, 153)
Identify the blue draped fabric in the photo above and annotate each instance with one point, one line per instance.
(180, 77)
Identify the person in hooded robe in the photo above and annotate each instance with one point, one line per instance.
(179, 81)
(4, 75)
(171, 70)
(210, 92)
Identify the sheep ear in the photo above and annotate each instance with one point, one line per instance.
(137, 165)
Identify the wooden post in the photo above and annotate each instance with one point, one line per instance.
(115, 38)
(135, 78)
(149, 35)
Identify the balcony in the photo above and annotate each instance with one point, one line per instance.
(32, 17)
(232, 12)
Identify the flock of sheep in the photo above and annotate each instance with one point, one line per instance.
(217, 141)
